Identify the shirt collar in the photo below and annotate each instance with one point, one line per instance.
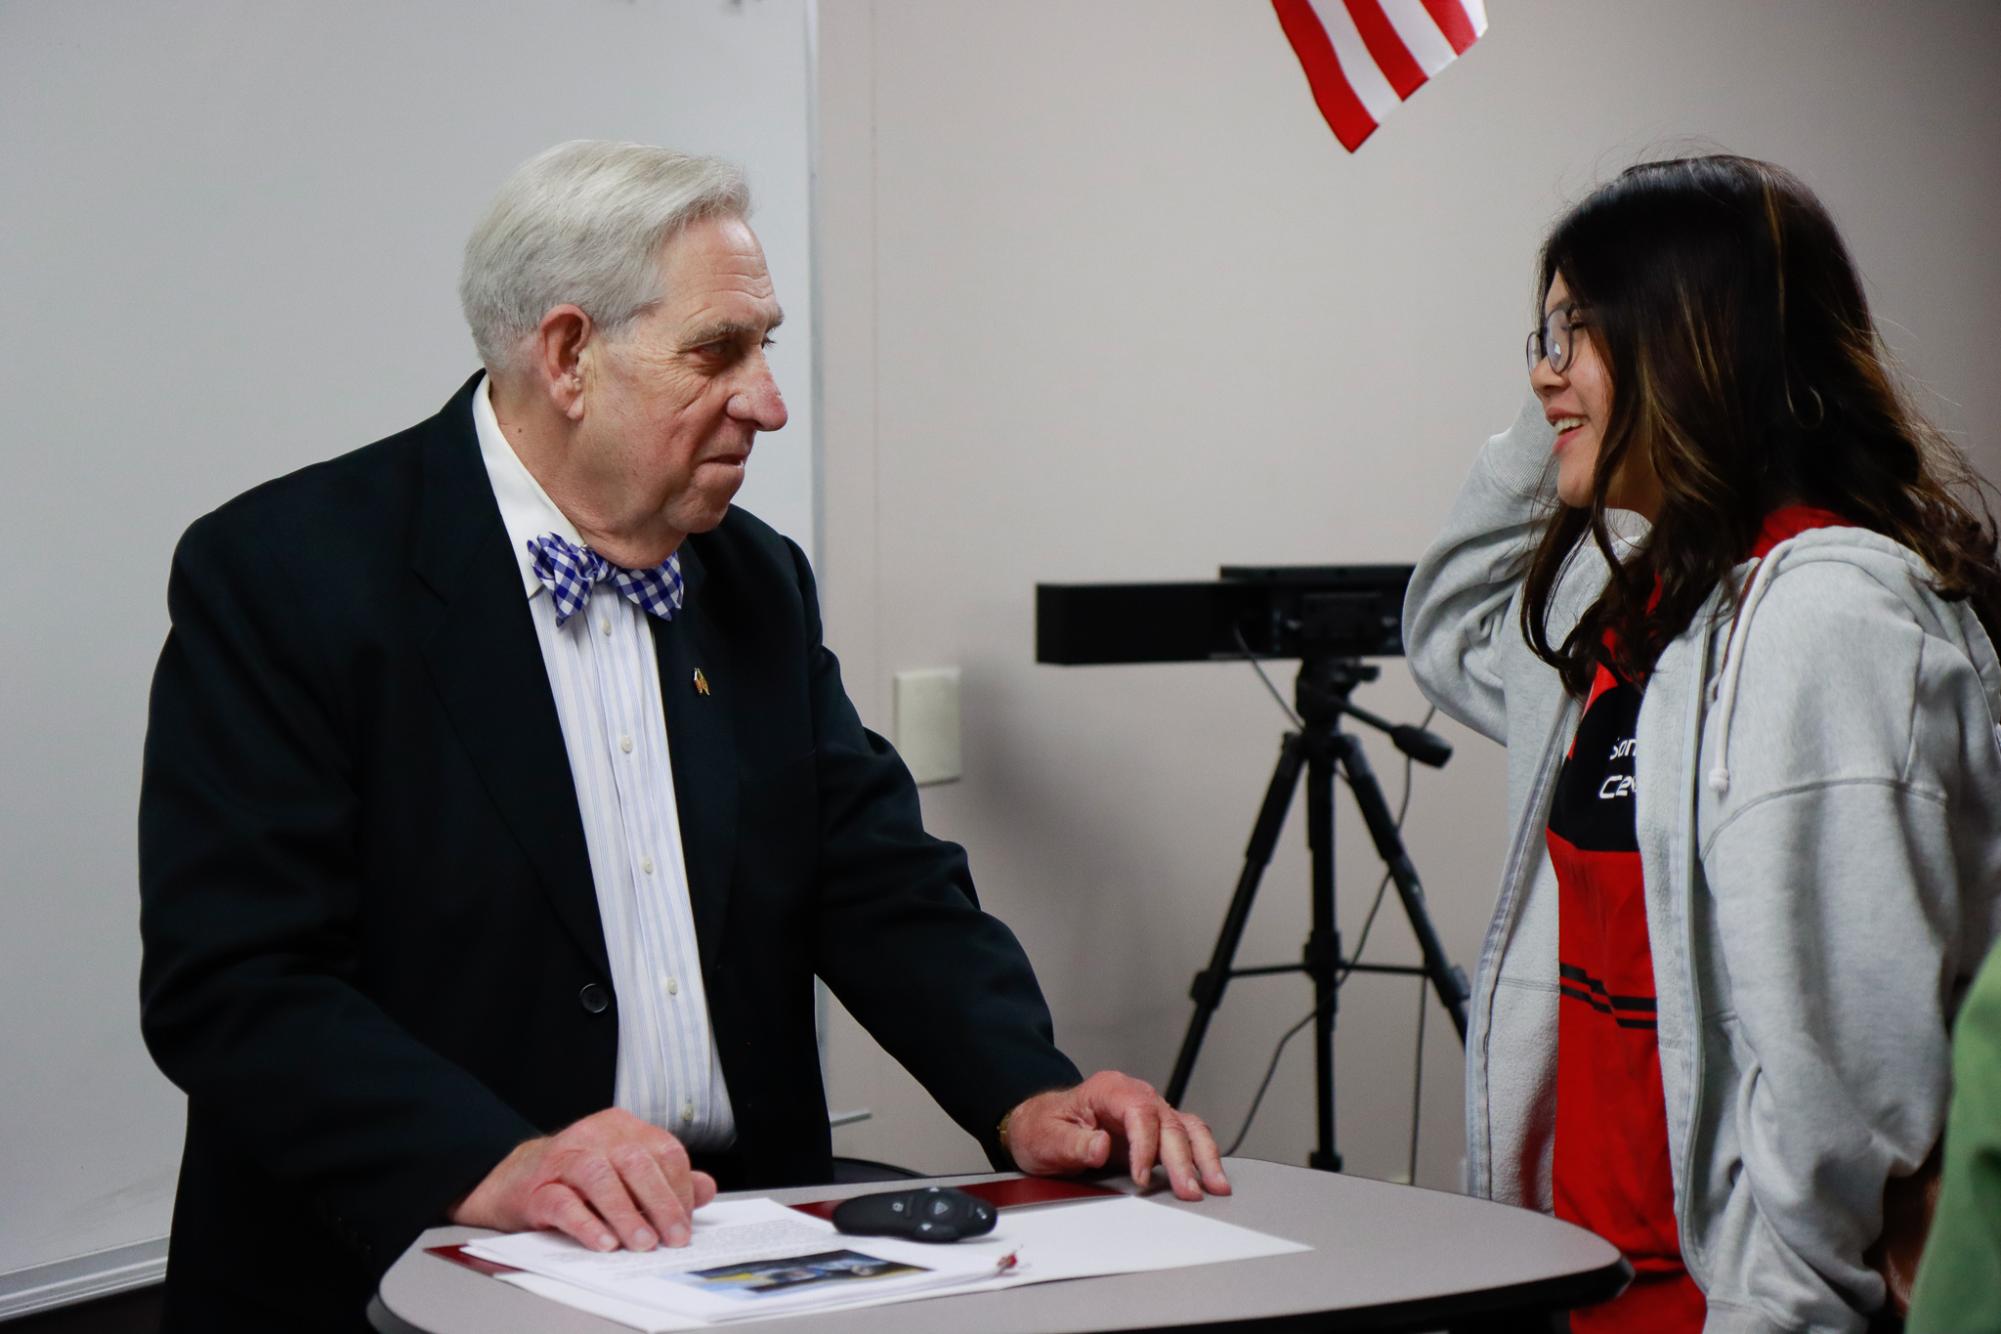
(525, 508)
(1790, 521)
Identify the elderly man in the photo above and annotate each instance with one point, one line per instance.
(501, 803)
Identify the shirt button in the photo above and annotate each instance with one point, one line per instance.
(688, 1110)
(646, 865)
(625, 743)
(604, 624)
(673, 986)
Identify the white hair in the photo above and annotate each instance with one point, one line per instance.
(583, 223)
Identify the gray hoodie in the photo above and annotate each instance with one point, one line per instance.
(1819, 820)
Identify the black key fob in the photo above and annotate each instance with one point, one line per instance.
(933, 1213)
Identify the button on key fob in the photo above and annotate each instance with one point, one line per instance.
(932, 1213)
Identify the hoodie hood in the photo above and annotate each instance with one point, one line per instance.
(1890, 563)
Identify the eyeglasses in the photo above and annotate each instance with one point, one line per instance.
(1556, 339)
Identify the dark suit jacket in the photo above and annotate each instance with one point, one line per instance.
(373, 958)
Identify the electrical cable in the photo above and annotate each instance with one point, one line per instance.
(1417, 1082)
(1244, 647)
(1382, 888)
(1299, 723)
(1265, 1083)
(1417, 1055)
(1403, 807)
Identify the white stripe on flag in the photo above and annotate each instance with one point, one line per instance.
(1421, 37)
(1477, 11)
(1374, 91)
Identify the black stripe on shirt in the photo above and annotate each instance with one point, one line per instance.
(1630, 1011)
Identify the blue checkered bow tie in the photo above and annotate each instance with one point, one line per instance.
(569, 572)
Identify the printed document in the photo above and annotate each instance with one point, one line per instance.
(755, 1257)
(746, 1258)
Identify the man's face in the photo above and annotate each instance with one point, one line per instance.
(673, 402)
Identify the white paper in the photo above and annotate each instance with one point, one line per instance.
(630, 1314)
(1122, 1235)
(1073, 1239)
(746, 1258)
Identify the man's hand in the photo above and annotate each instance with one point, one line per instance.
(1076, 1129)
(609, 1180)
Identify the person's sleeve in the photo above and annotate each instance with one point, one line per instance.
(1456, 612)
(944, 987)
(1959, 1278)
(250, 913)
(1838, 879)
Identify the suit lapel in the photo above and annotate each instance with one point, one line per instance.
(483, 656)
(702, 742)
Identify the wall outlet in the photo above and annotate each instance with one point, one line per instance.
(927, 723)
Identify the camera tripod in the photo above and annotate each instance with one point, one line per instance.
(1324, 751)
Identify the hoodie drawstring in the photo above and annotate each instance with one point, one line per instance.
(1733, 668)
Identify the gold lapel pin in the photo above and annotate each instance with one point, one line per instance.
(701, 682)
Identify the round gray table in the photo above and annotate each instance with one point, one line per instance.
(1384, 1257)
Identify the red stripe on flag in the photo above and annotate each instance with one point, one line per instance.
(1392, 57)
(1450, 16)
(1344, 111)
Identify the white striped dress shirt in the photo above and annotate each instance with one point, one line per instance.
(606, 681)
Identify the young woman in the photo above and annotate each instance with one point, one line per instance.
(1716, 594)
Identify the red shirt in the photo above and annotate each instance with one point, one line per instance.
(1611, 1171)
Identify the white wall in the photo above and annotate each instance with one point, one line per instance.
(1104, 300)
(232, 243)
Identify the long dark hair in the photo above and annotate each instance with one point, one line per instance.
(1746, 370)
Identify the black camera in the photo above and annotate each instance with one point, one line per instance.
(1265, 611)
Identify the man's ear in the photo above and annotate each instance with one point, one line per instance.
(558, 345)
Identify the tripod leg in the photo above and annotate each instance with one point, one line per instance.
(1446, 979)
(1207, 990)
(1323, 950)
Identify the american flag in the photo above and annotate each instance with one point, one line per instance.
(1362, 57)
